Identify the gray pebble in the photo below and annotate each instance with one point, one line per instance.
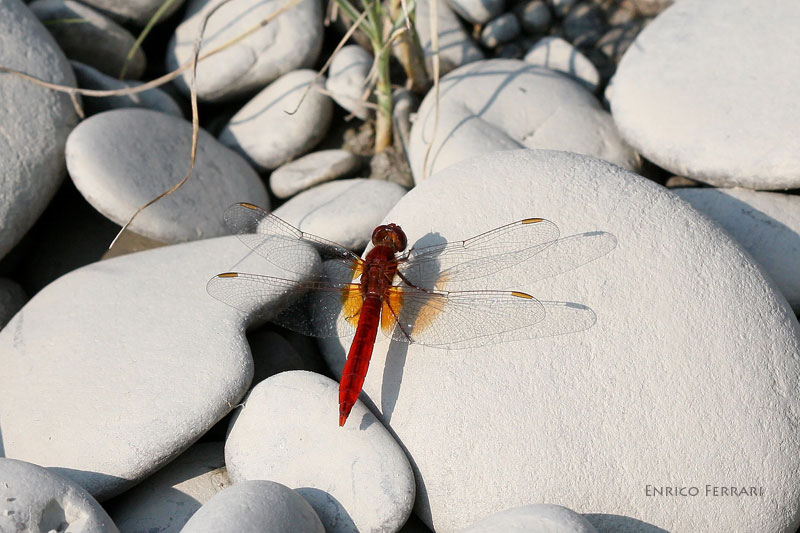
(312, 169)
(501, 30)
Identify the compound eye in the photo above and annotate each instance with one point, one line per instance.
(378, 234)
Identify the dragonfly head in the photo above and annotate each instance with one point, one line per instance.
(390, 235)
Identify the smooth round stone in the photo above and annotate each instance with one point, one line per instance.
(347, 79)
(97, 41)
(38, 499)
(117, 179)
(342, 211)
(355, 477)
(694, 337)
(557, 54)
(91, 78)
(12, 298)
(275, 126)
(291, 41)
(766, 224)
(585, 24)
(153, 362)
(477, 11)
(541, 517)
(651, 8)
(456, 48)
(501, 30)
(138, 12)
(531, 107)
(534, 16)
(726, 113)
(165, 501)
(36, 121)
(312, 169)
(256, 505)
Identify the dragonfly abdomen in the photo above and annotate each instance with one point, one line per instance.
(357, 363)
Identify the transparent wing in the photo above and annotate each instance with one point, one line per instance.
(533, 241)
(468, 319)
(315, 308)
(285, 246)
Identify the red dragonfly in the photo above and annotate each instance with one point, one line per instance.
(406, 294)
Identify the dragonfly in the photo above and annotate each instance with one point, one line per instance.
(409, 295)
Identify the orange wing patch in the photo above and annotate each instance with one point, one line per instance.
(352, 301)
(392, 304)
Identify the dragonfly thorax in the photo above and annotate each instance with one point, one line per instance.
(390, 235)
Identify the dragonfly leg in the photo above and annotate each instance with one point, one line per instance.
(408, 282)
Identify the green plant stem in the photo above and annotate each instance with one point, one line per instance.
(139, 40)
(383, 95)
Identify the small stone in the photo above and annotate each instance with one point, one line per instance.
(342, 211)
(91, 78)
(501, 30)
(35, 121)
(137, 13)
(165, 501)
(256, 505)
(477, 11)
(537, 517)
(123, 158)
(291, 41)
(456, 48)
(12, 298)
(651, 8)
(356, 478)
(97, 40)
(347, 79)
(532, 107)
(557, 54)
(404, 103)
(674, 182)
(534, 16)
(276, 126)
(312, 169)
(585, 24)
(38, 499)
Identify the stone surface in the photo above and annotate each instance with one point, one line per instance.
(477, 11)
(501, 30)
(356, 478)
(546, 518)
(256, 505)
(37, 499)
(561, 7)
(91, 78)
(12, 298)
(342, 211)
(504, 104)
(727, 112)
(152, 361)
(97, 41)
(137, 12)
(291, 41)
(557, 54)
(455, 46)
(35, 124)
(693, 349)
(766, 224)
(312, 169)
(347, 79)
(165, 501)
(123, 158)
(279, 123)
(584, 24)
(534, 16)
